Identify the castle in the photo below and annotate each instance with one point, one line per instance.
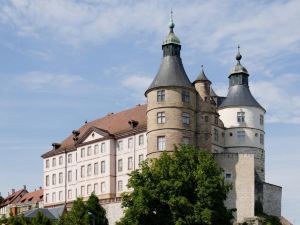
(99, 155)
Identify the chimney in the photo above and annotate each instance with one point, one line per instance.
(24, 187)
(13, 190)
(40, 188)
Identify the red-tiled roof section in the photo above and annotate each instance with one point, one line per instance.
(113, 123)
(34, 197)
(13, 197)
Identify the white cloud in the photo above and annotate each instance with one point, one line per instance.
(41, 81)
(137, 83)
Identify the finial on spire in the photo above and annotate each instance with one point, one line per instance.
(238, 55)
(202, 67)
(171, 23)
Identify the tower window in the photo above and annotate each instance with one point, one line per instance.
(161, 117)
(185, 118)
(161, 143)
(185, 140)
(161, 95)
(261, 120)
(241, 117)
(261, 137)
(228, 176)
(241, 136)
(206, 118)
(216, 134)
(185, 96)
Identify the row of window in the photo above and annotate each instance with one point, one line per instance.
(161, 142)
(89, 151)
(130, 143)
(241, 118)
(87, 170)
(161, 118)
(241, 136)
(161, 96)
(84, 190)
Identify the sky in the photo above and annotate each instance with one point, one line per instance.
(63, 62)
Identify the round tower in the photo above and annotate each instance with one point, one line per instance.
(243, 118)
(171, 101)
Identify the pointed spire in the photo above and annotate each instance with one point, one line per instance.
(202, 76)
(238, 55)
(238, 68)
(171, 38)
(171, 23)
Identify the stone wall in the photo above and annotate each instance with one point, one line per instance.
(272, 199)
(242, 195)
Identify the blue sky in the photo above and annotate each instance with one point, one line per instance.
(66, 61)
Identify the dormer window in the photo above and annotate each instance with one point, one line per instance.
(161, 96)
(240, 117)
(185, 96)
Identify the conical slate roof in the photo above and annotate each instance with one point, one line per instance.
(171, 73)
(240, 95)
(213, 93)
(202, 76)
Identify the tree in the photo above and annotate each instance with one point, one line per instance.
(78, 214)
(183, 188)
(18, 220)
(97, 211)
(1, 199)
(40, 219)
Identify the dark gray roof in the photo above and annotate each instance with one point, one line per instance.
(171, 73)
(239, 68)
(202, 77)
(51, 213)
(213, 93)
(240, 95)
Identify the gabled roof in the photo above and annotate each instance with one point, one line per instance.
(13, 198)
(115, 124)
(32, 197)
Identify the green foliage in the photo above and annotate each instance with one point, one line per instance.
(18, 220)
(3, 220)
(78, 214)
(1, 200)
(183, 188)
(97, 211)
(40, 219)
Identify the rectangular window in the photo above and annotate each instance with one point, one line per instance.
(102, 147)
(82, 171)
(240, 117)
(47, 163)
(216, 120)
(53, 162)
(120, 145)
(216, 135)
(60, 196)
(89, 151)
(161, 143)
(185, 140)
(130, 143)
(47, 180)
(60, 160)
(141, 139)
(82, 153)
(261, 137)
(96, 188)
(69, 176)
(53, 179)
(185, 96)
(130, 163)
(206, 136)
(89, 170)
(120, 185)
(102, 166)
(60, 178)
(82, 191)
(161, 117)
(70, 158)
(103, 188)
(120, 165)
(96, 168)
(47, 198)
(261, 120)
(69, 194)
(96, 149)
(89, 189)
(161, 96)
(241, 135)
(186, 118)
(206, 118)
(228, 176)
(54, 197)
(141, 158)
